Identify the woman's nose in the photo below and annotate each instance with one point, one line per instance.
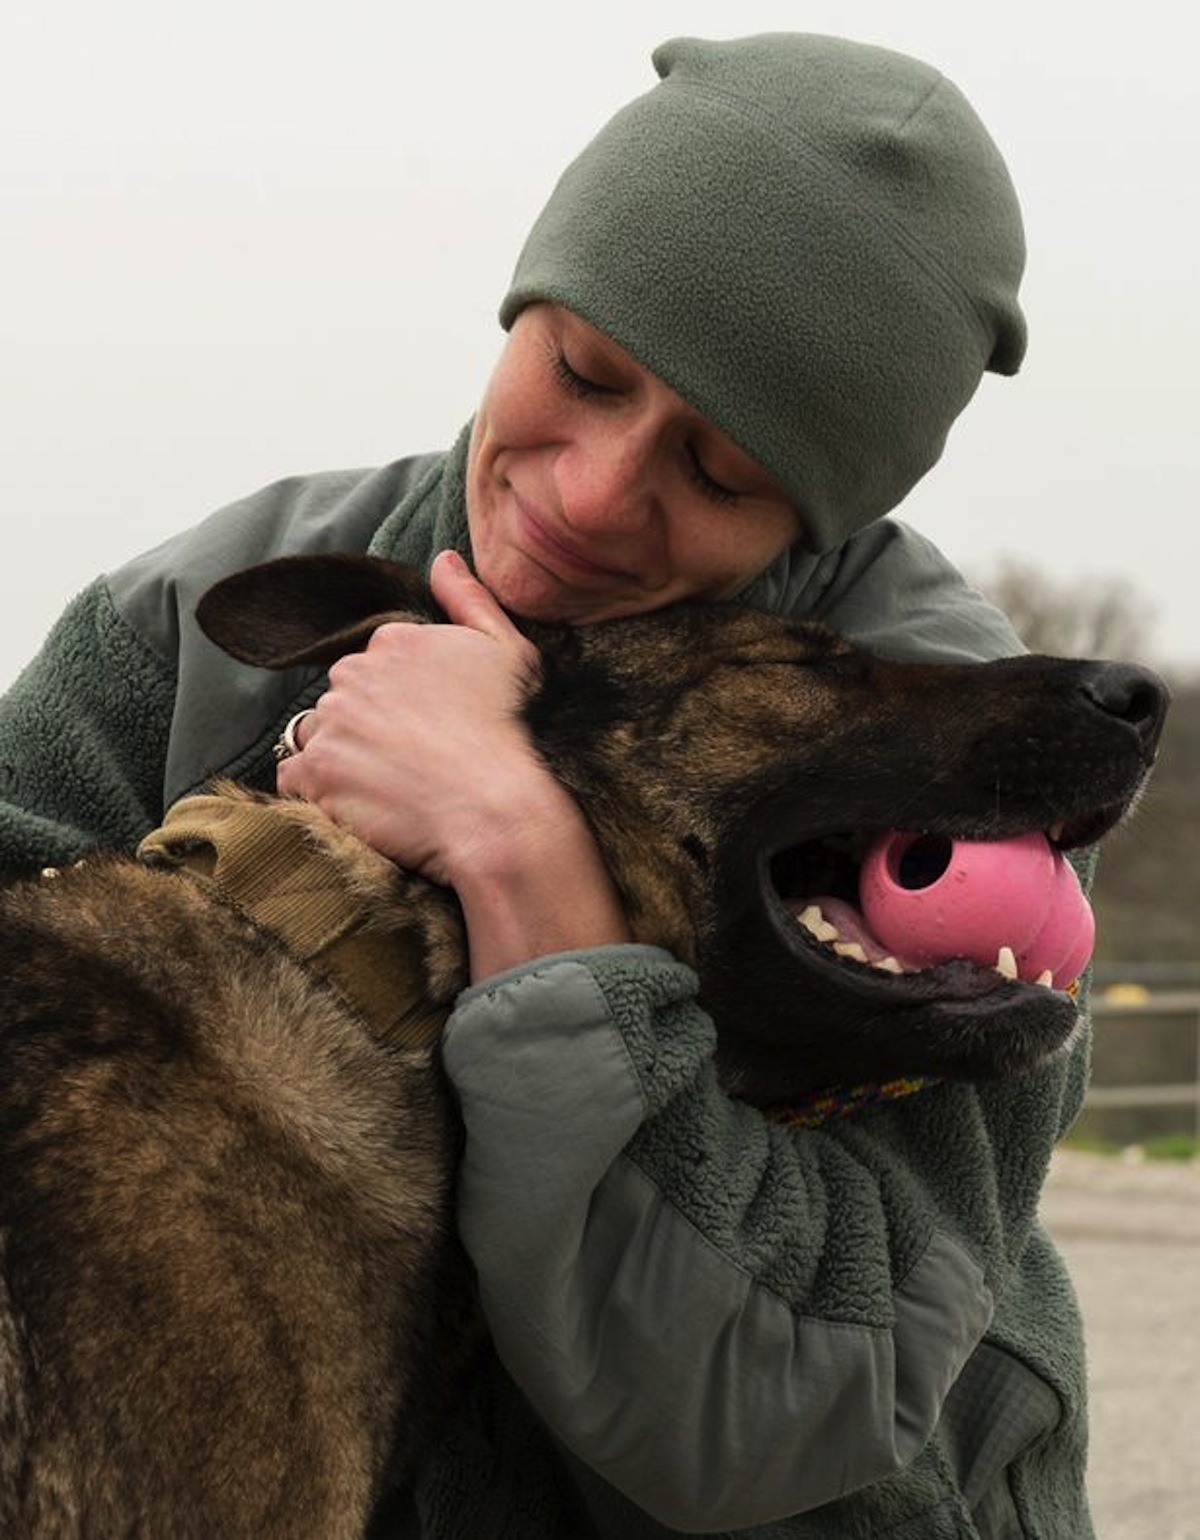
(606, 480)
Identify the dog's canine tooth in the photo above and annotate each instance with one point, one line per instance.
(850, 949)
(1045, 978)
(1055, 832)
(1006, 963)
(889, 965)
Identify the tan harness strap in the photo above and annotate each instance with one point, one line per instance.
(268, 867)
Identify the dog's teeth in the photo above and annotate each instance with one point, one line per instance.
(1006, 963)
(889, 965)
(850, 949)
(49, 871)
(1045, 979)
(1055, 832)
(816, 924)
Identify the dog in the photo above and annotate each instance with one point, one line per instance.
(230, 1287)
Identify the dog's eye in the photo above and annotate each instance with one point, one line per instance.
(694, 848)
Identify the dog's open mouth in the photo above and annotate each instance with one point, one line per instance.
(901, 904)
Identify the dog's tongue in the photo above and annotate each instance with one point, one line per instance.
(926, 899)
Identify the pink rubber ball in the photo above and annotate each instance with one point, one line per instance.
(928, 899)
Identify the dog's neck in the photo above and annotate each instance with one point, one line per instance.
(299, 879)
(268, 866)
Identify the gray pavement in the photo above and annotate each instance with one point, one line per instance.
(1130, 1231)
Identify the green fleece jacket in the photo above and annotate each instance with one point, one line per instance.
(703, 1322)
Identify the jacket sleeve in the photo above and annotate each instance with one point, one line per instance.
(128, 706)
(892, 591)
(729, 1320)
(82, 735)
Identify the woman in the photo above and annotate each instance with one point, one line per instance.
(737, 335)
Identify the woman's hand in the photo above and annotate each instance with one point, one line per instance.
(417, 746)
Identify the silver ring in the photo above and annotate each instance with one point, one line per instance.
(287, 743)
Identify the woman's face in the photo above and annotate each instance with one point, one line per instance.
(595, 491)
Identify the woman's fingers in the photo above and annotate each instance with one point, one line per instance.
(467, 602)
(418, 743)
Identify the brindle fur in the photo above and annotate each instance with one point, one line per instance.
(229, 1284)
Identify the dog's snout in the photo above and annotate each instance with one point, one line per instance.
(1133, 694)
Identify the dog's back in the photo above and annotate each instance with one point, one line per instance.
(219, 1198)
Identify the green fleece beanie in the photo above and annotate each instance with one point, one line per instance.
(814, 242)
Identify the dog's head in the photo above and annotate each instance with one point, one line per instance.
(732, 764)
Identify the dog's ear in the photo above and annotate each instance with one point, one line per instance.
(310, 609)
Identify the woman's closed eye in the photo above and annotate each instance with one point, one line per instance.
(705, 483)
(572, 381)
(584, 388)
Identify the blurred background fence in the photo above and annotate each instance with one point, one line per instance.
(1146, 1055)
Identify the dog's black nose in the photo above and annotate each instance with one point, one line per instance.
(1136, 695)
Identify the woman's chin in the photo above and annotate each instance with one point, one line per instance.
(526, 588)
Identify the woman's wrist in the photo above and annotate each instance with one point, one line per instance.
(536, 884)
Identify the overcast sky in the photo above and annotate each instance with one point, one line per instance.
(245, 238)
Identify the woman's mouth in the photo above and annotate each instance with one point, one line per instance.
(547, 543)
